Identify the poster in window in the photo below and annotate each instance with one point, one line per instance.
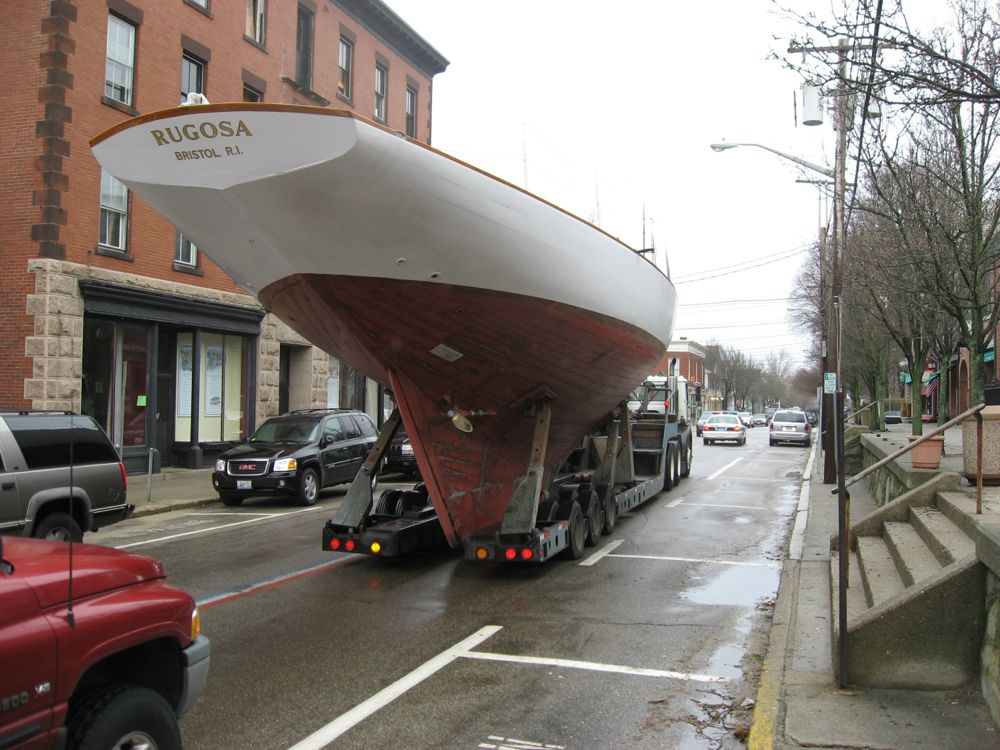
(213, 381)
(185, 359)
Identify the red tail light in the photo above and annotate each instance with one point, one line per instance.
(349, 545)
(510, 553)
(121, 467)
(526, 554)
(334, 544)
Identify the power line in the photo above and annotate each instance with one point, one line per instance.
(747, 268)
(736, 301)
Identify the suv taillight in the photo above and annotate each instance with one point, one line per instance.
(121, 468)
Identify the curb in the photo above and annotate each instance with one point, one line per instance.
(153, 508)
(766, 714)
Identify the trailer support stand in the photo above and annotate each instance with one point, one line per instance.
(522, 510)
(359, 499)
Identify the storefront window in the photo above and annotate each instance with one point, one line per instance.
(115, 379)
(220, 387)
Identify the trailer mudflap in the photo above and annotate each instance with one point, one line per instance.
(546, 541)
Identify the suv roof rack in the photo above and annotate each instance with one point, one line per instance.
(25, 412)
(315, 411)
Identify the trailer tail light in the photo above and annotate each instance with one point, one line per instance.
(349, 545)
(510, 553)
(482, 553)
(526, 554)
(376, 548)
(334, 544)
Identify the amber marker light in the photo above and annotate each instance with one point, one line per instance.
(376, 548)
(482, 554)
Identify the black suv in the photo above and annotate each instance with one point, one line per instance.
(296, 454)
(59, 476)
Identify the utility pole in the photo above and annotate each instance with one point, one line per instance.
(833, 439)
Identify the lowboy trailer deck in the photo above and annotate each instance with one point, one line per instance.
(629, 460)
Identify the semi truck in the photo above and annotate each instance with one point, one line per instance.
(644, 447)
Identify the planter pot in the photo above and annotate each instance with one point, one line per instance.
(991, 446)
(927, 455)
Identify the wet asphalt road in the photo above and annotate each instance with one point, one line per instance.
(652, 640)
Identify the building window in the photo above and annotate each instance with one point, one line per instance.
(411, 112)
(381, 80)
(120, 65)
(187, 252)
(250, 94)
(192, 76)
(303, 48)
(346, 66)
(255, 20)
(114, 213)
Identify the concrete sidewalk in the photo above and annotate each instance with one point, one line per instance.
(171, 489)
(799, 704)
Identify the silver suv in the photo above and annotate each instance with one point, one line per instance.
(790, 426)
(59, 476)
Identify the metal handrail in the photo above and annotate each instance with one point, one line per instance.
(924, 438)
(863, 408)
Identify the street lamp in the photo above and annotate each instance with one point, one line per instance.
(831, 352)
(825, 171)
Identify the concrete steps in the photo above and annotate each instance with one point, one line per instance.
(916, 595)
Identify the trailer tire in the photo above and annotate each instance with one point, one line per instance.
(688, 458)
(668, 470)
(593, 513)
(677, 464)
(387, 502)
(610, 511)
(577, 530)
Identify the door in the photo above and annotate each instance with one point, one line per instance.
(336, 454)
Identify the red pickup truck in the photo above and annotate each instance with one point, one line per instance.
(106, 658)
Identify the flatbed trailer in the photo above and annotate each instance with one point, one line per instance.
(631, 459)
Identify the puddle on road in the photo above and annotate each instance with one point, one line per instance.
(739, 585)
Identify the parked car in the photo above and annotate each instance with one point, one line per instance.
(296, 455)
(759, 420)
(893, 417)
(705, 416)
(119, 674)
(727, 427)
(399, 456)
(790, 426)
(43, 455)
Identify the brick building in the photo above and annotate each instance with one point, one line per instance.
(687, 359)
(107, 308)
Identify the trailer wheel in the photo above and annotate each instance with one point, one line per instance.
(610, 511)
(594, 517)
(668, 470)
(577, 529)
(675, 465)
(387, 502)
(688, 458)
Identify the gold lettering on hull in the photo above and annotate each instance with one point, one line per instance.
(199, 131)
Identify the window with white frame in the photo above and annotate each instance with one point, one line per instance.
(119, 68)
(250, 94)
(346, 66)
(114, 213)
(255, 20)
(411, 112)
(381, 83)
(187, 252)
(192, 76)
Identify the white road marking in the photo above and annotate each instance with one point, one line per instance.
(230, 513)
(219, 528)
(333, 730)
(510, 743)
(605, 550)
(675, 503)
(730, 465)
(720, 505)
(754, 479)
(695, 560)
(593, 666)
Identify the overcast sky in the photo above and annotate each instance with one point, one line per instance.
(609, 110)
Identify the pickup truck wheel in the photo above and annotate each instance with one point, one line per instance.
(59, 527)
(308, 487)
(124, 718)
(231, 501)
